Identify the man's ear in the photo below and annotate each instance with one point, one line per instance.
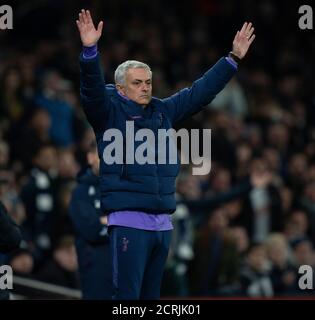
(120, 88)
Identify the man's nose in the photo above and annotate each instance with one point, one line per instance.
(145, 87)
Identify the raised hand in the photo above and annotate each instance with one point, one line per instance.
(243, 39)
(89, 35)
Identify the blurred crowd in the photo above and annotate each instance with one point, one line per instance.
(249, 245)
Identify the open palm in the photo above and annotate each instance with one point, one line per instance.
(243, 39)
(89, 35)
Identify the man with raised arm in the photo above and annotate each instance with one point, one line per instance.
(140, 197)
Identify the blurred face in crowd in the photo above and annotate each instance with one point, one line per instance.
(65, 195)
(233, 209)
(87, 140)
(257, 258)
(12, 79)
(22, 263)
(304, 254)
(67, 165)
(46, 159)
(272, 158)
(66, 257)
(218, 221)
(4, 154)
(241, 238)
(94, 161)
(286, 198)
(277, 249)
(52, 81)
(258, 166)
(278, 136)
(41, 121)
(298, 165)
(137, 86)
(189, 187)
(297, 224)
(6, 181)
(309, 191)
(243, 153)
(221, 181)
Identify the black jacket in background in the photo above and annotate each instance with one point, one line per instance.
(10, 238)
(92, 241)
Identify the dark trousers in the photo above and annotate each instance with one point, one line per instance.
(138, 260)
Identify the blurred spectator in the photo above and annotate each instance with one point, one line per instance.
(67, 165)
(10, 239)
(216, 262)
(10, 197)
(61, 269)
(241, 239)
(39, 198)
(91, 232)
(298, 168)
(307, 200)
(83, 146)
(296, 225)
(36, 132)
(279, 138)
(232, 100)
(175, 282)
(255, 275)
(22, 262)
(283, 276)
(262, 211)
(4, 155)
(63, 223)
(13, 106)
(52, 98)
(303, 254)
(221, 181)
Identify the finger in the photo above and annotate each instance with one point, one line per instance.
(250, 32)
(80, 18)
(84, 16)
(88, 16)
(251, 39)
(78, 24)
(249, 26)
(100, 27)
(243, 28)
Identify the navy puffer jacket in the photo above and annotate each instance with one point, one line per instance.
(144, 187)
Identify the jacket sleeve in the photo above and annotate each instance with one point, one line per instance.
(85, 218)
(188, 101)
(93, 94)
(10, 235)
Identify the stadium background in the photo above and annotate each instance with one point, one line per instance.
(263, 119)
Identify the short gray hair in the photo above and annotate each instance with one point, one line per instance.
(120, 72)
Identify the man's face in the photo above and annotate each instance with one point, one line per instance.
(138, 86)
